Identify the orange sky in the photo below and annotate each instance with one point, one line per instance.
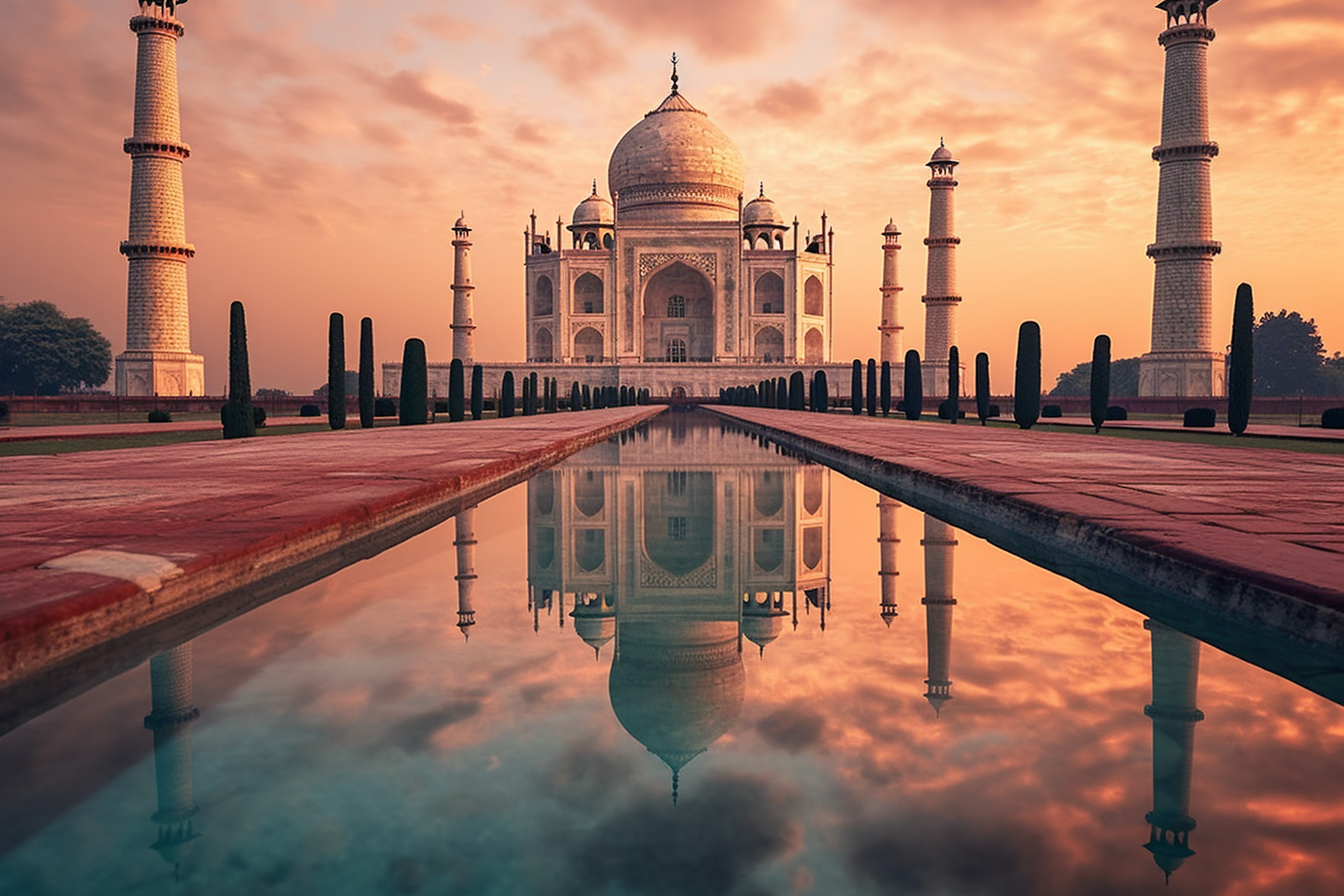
(335, 141)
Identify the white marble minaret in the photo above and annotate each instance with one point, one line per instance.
(464, 329)
(158, 359)
(887, 542)
(172, 715)
(1182, 360)
(891, 291)
(1174, 715)
(465, 542)
(939, 541)
(940, 289)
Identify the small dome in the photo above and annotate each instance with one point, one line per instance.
(595, 210)
(461, 222)
(762, 212)
(942, 153)
(890, 229)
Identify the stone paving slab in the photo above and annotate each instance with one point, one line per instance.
(97, 545)
(1255, 533)
(115, 430)
(1264, 430)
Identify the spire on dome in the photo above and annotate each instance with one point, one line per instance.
(674, 72)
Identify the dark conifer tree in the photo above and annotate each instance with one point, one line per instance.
(366, 397)
(336, 370)
(914, 386)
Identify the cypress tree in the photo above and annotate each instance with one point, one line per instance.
(587, 397)
(414, 408)
(238, 421)
(505, 408)
(781, 393)
(796, 391)
(1241, 376)
(532, 378)
(366, 373)
(477, 392)
(456, 388)
(336, 371)
(856, 387)
(1027, 381)
(1101, 380)
(914, 386)
(825, 404)
(599, 398)
(871, 394)
(575, 397)
(982, 387)
(885, 388)
(954, 382)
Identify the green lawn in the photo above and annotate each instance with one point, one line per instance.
(144, 440)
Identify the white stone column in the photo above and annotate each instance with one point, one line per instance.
(158, 358)
(1182, 360)
(463, 327)
(890, 328)
(940, 296)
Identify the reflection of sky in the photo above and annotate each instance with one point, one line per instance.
(351, 741)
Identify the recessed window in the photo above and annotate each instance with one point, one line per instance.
(676, 528)
(676, 306)
(676, 350)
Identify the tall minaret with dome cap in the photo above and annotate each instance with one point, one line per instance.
(463, 327)
(1182, 360)
(890, 328)
(158, 359)
(940, 291)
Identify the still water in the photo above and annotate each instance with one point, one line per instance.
(677, 664)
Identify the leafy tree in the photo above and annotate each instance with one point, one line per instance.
(1289, 355)
(43, 352)
(1078, 381)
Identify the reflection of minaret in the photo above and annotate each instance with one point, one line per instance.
(171, 718)
(938, 603)
(1175, 678)
(465, 542)
(887, 541)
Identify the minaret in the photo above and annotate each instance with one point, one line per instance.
(1182, 360)
(1174, 715)
(171, 718)
(464, 341)
(887, 541)
(890, 327)
(465, 542)
(939, 540)
(940, 295)
(158, 358)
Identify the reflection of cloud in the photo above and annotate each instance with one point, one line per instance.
(792, 730)
(414, 733)
(711, 843)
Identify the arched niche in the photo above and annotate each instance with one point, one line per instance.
(542, 487)
(679, 303)
(588, 345)
(679, 524)
(812, 542)
(543, 297)
(767, 488)
(590, 493)
(812, 490)
(813, 347)
(543, 345)
(545, 547)
(767, 549)
(768, 345)
(590, 549)
(814, 297)
(588, 294)
(767, 297)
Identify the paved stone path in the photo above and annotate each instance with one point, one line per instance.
(114, 430)
(1253, 533)
(96, 545)
(1264, 430)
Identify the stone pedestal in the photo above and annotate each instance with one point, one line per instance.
(1183, 374)
(142, 373)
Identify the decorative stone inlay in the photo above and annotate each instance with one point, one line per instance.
(588, 324)
(714, 195)
(651, 575)
(701, 261)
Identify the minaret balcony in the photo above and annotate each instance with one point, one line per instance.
(942, 241)
(1206, 248)
(138, 146)
(1206, 150)
(1186, 33)
(156, 21)
(147, 250)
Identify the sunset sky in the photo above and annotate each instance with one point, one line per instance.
(335, 141)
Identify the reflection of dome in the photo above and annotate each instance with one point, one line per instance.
(676, 164)
(594, 620)
(677, 686)
(761, 630)
(1169, 852)
(595, 210)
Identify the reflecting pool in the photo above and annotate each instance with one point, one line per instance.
(682, 662)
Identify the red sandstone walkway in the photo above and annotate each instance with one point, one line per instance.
(96, 545)
(1268, 518)
(114, 430)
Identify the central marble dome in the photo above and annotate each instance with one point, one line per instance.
(675, 165)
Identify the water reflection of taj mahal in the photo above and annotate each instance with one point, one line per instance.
(677, 565)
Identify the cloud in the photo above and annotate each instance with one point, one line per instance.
(575, 54)
(722, 30)
(411, 90)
